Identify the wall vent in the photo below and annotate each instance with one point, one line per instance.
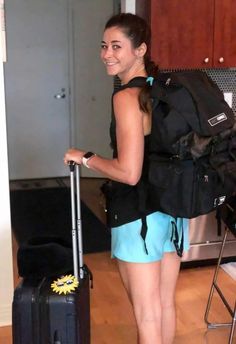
(226, 80)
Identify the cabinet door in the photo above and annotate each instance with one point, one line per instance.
(182, 33)
(225, 34)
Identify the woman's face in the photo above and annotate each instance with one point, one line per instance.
(117, 52)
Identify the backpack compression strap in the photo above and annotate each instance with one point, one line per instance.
(143, 232)
(175, 237)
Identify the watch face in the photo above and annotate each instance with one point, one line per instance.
(88, 155)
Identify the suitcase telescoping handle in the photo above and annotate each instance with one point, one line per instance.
(77, 243)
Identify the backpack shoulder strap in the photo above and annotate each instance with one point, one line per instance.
(135, 82)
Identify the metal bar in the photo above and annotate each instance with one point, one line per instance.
(214, 284)
(224, 300)
(79, 223)
(233, 326)
(73, 220)
(211, 243)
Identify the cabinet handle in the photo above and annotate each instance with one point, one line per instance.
(221, 59)
(206, 60)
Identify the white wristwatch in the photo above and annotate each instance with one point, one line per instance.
(87, 156)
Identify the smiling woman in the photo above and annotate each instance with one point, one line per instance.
(142, 241)
(119, 56)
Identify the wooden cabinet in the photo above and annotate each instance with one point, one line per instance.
(191, 33)
(225, 34)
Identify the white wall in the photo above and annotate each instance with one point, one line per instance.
(92, 116)
(93, 87)
(6, 267)
(128, 6)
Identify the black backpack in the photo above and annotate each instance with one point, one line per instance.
(192, 159)
(191, 165)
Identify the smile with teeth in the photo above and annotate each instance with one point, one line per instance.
(110, 63)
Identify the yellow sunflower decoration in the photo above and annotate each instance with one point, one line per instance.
(65, 284)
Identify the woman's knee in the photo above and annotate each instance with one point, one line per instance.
(148, 312)
(167, 302)
(149, 323)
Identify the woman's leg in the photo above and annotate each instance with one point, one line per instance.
(169, 273)
(142, 282)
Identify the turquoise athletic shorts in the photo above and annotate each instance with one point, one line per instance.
(128, 245)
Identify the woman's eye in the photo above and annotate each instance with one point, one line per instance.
(115, 47)
(103, 46)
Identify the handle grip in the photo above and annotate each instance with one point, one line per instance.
(72, 165)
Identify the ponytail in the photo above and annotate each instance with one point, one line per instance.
(144, 95)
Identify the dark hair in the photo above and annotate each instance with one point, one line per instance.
(138, 31)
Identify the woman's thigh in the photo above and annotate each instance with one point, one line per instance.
(170, 266)
(142, 282)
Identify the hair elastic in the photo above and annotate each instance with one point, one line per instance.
(150, 80)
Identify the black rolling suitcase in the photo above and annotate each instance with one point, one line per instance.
(42, 315)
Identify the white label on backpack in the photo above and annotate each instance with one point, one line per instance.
(229, 98)
(219, 200)
(217, 119)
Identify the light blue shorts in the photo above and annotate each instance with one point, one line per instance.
(128, 245)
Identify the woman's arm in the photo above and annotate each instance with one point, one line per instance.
(127, 167)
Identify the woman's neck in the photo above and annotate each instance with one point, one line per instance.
(126, 77)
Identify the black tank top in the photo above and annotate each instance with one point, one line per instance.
(125, 201)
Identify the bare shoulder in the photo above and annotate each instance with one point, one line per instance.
(128, 96)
